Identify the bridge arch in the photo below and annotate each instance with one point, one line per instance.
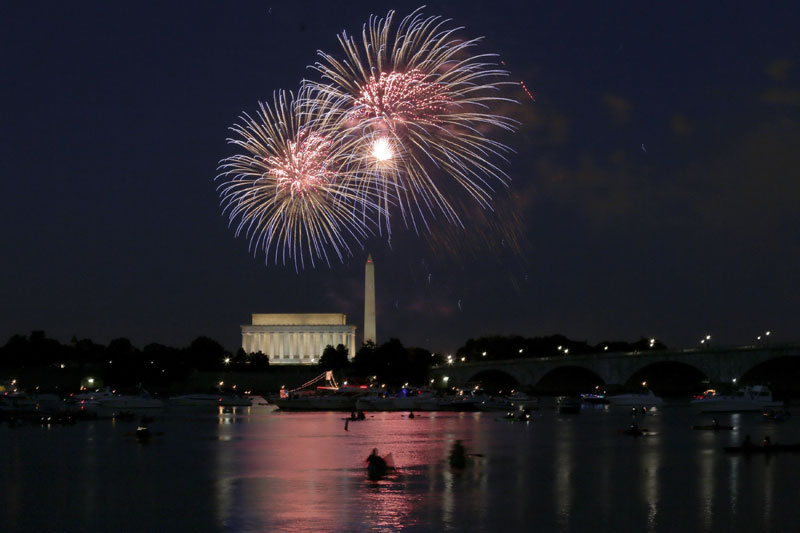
(494, 380)
(781, 374)
(671, 378)
(568, 379)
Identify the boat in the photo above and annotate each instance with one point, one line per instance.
(635, 431)
(142, 400)
(495, 403)
(776, 416)
(107, 402)
(750, 398)
(596, 398)
(569, 404)
(405, 400)
(328, 397)
(713, 427)
(199, 399)
(645, 398)
(521, 400)
(772, 448)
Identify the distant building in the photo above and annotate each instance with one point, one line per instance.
(297, 338)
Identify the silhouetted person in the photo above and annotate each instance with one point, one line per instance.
(458, 455)
(376, 465)
(353, 415)
(361, 415)
(767, 442)
(411, 414)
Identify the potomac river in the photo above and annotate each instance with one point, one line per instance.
(258, 469)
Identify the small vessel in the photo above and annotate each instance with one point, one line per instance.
(644, 398)
(569, 404)
(495, 403)
(523, 401)
(405, 400)
(142, 400)
(107, 402)
(713, 427)
(329, 397)
(200, 399)
(776, 416)
(597, 398)
(750, 398)
(635, 431)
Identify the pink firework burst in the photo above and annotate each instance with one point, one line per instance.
(401, 96)
(303, 167)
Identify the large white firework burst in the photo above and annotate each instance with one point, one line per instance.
(288, 190)
(420, 105)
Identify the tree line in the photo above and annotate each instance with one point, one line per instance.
(121, 363)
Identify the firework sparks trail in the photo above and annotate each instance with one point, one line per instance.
(287, 192)
(424, 90)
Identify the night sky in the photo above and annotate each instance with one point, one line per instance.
(654, 190)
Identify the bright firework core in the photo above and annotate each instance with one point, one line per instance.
(404, 96)
(303, 166)
(382, 150)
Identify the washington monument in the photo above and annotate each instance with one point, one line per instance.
(369, 301)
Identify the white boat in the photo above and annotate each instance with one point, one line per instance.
(520, 400)
(208, 399)
(106, 401)
(645, 398)
(750, 398)
(496, 403)
(328, 401)
(411, 400)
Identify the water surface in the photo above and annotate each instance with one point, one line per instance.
(258, 469)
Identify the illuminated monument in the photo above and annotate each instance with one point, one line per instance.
(369, 301)
(297, 338)
(300, 338)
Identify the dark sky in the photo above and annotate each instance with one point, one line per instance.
(655, 190)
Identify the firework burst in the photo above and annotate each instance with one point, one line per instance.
(420, 91)
(288, 191)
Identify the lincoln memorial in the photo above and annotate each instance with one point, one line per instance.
(297, 338)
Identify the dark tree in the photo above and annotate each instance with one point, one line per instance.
(333, 358)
